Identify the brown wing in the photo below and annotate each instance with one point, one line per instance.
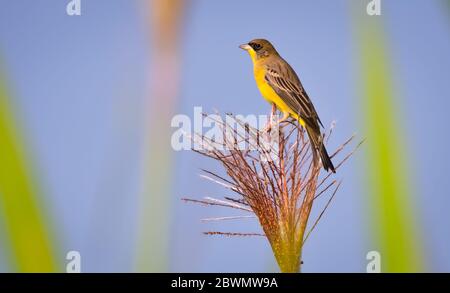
(283, 79)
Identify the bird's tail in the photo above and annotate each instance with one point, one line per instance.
(318, 148)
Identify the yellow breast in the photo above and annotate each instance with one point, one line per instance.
(267, 91)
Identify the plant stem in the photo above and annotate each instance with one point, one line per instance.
(288, 251)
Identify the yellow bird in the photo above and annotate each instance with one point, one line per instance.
(280, 86)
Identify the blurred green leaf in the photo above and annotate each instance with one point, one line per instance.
(27, 237)
(153, 241)
(391, 204)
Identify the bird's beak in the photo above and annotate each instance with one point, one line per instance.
(245, 47)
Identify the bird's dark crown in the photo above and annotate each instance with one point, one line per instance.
(258, 44)
(262, 46)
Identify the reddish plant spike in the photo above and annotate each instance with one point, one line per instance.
(279, 185)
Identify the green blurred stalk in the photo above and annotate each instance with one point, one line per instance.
(26, 235)
(389, 181)
(155, 216)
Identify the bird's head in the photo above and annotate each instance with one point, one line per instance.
(259, 48)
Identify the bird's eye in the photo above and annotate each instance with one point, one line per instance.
(255, 46)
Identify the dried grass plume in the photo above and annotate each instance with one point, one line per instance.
(278, 182)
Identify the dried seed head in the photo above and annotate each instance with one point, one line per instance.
(275, 178)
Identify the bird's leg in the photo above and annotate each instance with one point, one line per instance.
(274, 110)
(285, 116)
(271, 118)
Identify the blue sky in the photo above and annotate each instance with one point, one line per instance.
(79, 84)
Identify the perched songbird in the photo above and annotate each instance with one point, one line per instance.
(280, 85)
